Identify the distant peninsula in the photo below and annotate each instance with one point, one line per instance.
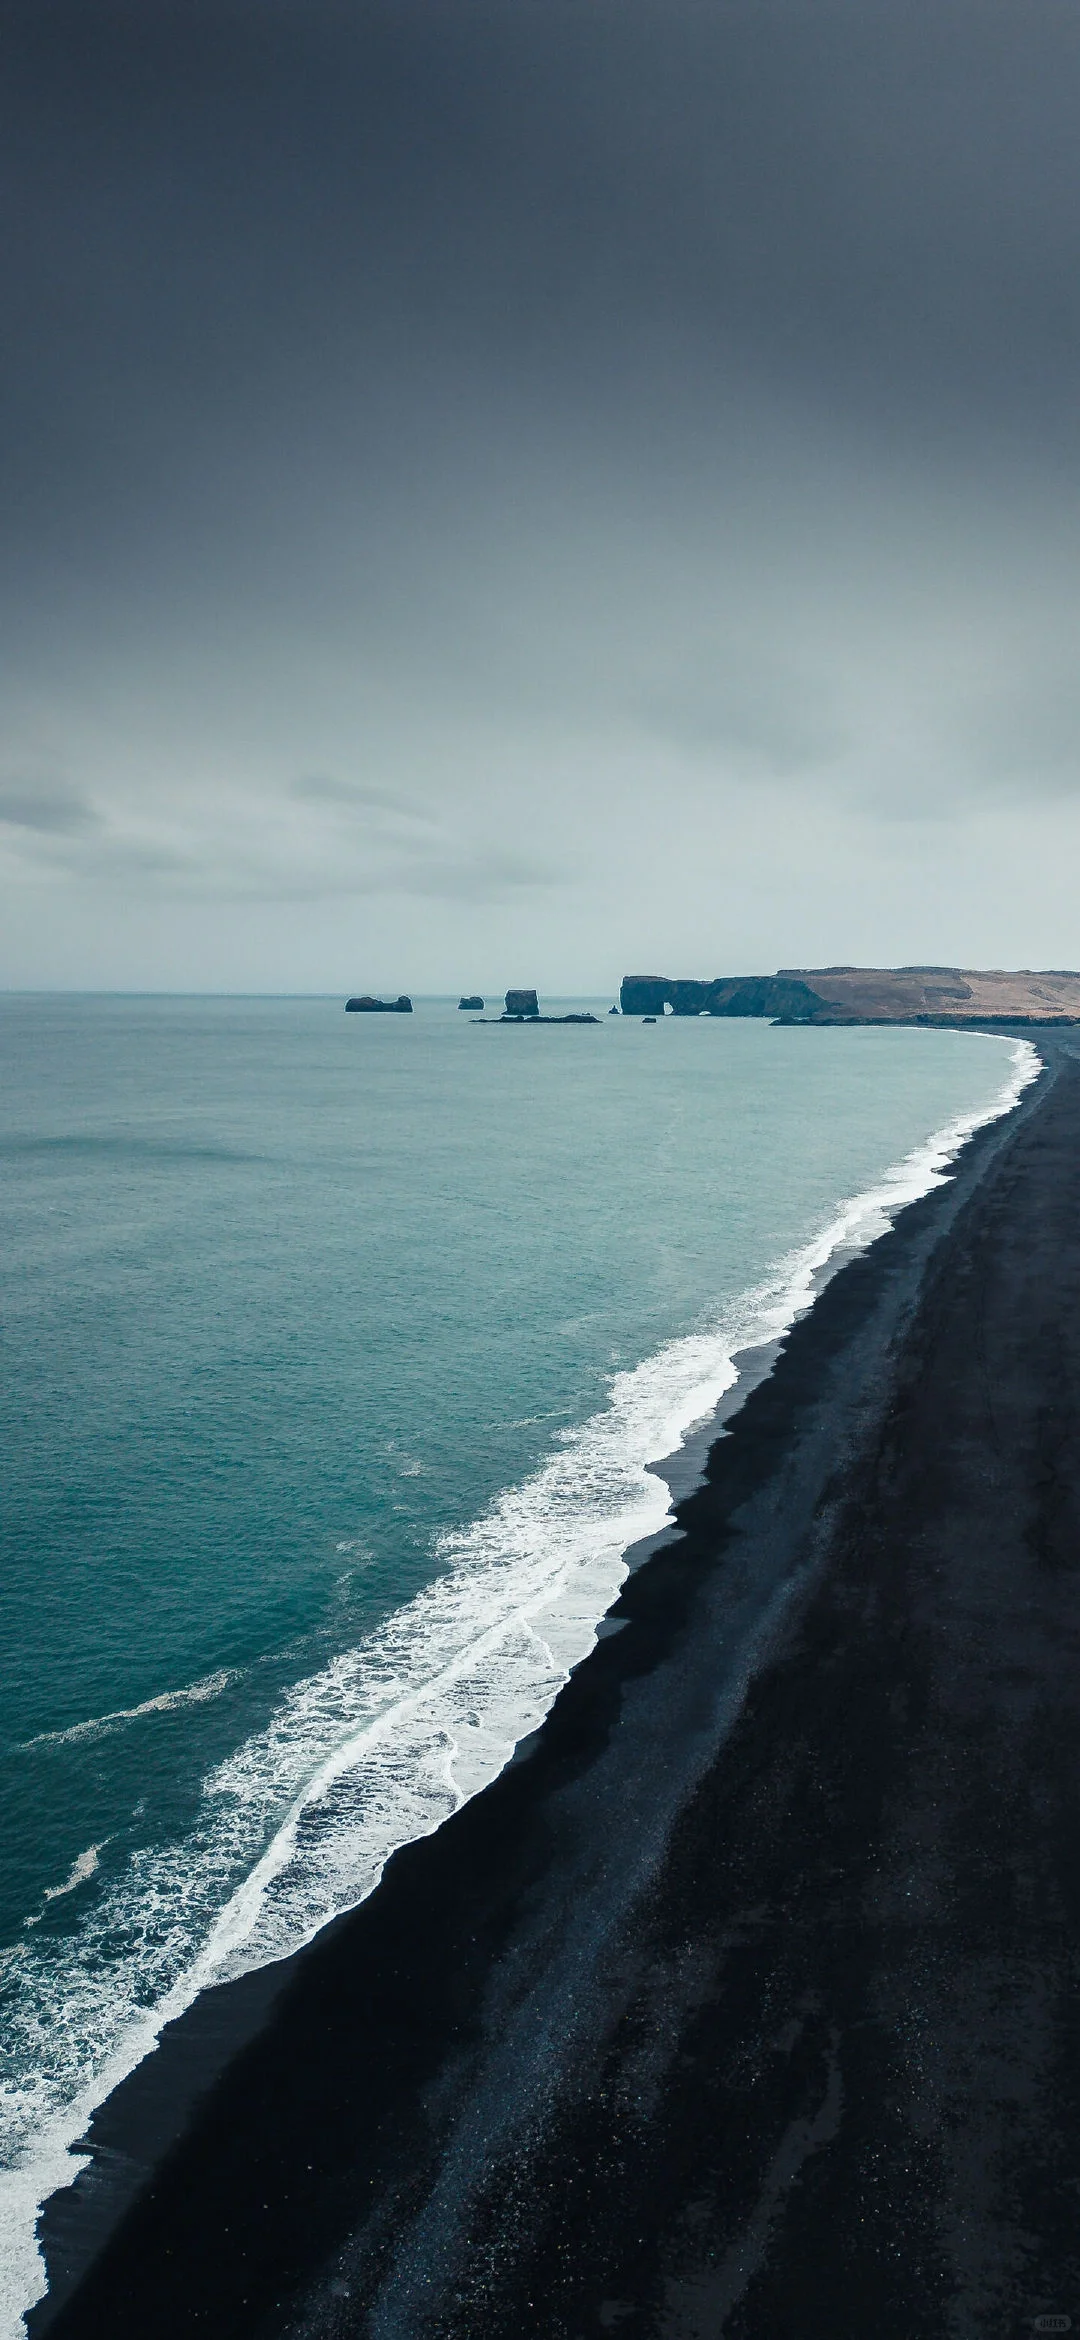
(866, 995)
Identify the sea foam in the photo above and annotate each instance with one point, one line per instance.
(96, 1725)
(382, 1744)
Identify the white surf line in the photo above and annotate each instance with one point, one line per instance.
(640, 1511)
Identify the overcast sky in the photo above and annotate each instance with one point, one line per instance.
(526, 490)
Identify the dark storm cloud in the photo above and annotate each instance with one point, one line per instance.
(435, 433)
(231, 227)
(248, 249)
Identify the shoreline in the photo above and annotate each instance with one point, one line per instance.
(228, 2041)
(728, 1358)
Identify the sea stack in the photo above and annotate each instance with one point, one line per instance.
(471, 999)
(522, 1003)
(366, 1006)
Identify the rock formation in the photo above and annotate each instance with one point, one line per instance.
(522, 1003)
(522, 1021)
(471, 999)
(366, 1006)
(727, 995)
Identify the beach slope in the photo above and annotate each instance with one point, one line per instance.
(746, 2002)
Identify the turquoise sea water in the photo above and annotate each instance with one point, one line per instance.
(334, 1351)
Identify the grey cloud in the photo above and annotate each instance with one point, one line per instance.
(485, 876)
(479, 874)
(481, 877)
(47, 807)
(114, 859)
(357, 796)
(428, 860)
(138, 857)
(748, 712)
(228, 867)
(1028, 731)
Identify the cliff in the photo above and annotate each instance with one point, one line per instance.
(726, 995)
(867, 995)
(948, 995)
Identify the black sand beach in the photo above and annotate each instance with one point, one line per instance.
(745, 2002)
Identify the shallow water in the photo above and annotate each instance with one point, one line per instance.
(335, 1350)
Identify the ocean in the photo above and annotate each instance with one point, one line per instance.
(336, 1351)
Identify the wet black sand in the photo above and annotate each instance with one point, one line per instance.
(746, 2003)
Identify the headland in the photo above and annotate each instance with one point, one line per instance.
(867, 995)
(743, 2003)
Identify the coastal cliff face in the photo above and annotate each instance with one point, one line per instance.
(728, 995)
(866, 995)
(886, 995)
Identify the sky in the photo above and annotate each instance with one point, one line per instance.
(524, 491)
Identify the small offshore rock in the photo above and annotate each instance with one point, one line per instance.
(365, 1005)
(471, 999)
(522, 1003)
